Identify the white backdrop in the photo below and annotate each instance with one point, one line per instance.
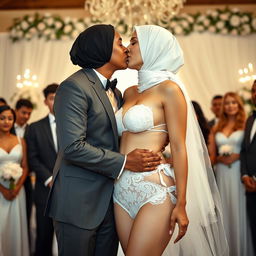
(211, 65)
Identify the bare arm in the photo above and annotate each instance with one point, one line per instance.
(177, 124)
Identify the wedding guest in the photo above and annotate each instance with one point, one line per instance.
(42, 151)
(216, 104)
(13, 222)
(226, 137)
(2, 102)
(23, 110)
(205, 128)
(248, 166)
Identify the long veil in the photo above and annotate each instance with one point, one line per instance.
(162, 58)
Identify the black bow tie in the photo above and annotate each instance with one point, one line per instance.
(111, 84)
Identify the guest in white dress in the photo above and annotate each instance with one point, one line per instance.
(225, 145)
(13, 222)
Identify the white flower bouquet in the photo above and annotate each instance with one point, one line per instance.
(226, 150)
(10, 172)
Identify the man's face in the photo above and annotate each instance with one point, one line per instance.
(216, 107)
(119, 54)
(23, 115)
(254, 93)
(49, 101)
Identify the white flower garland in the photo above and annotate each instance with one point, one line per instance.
(245, 94)
(53, 27)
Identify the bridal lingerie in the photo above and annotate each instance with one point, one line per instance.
(133, 189)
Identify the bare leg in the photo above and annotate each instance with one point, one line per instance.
(123, 225)
(150, 231)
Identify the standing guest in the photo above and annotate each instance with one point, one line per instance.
(13, 221)
(42, 151)
(248, 167)
(23, 110)
(205, 128)
(226, 137)
(216, 109)
(2, 102)
(80, 201)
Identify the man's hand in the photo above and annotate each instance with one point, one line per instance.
(142, 160)
(249, 183)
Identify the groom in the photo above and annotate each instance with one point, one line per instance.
(80, 201)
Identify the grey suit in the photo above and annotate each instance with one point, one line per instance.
(87, 164)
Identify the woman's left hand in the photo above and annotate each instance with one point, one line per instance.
(15, 191)
(179, 216)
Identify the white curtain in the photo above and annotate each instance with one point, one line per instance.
(211, 65)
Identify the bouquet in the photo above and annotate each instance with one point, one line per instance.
(10, 172)
(226, 150)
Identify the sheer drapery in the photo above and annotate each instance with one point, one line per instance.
(211, 65)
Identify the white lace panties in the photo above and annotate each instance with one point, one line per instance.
(132, 190)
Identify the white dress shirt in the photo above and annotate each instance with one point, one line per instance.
(253, 130)
(54, 136)
(104, 83)
(20, 130)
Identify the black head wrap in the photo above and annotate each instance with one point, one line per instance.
(93, 47)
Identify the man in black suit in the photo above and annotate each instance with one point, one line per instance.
(42, 151)
(216, 104)
(248, 166)
(80, 201)
(23, 110)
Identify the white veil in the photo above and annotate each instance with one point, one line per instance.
(162, 58)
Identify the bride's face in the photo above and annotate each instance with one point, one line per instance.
(6, 121)
(231, 106)
(134, 55)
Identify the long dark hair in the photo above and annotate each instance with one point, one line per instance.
(202, 121)
(7, 107)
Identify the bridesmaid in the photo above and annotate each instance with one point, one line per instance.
(224, 148)
(13, 222)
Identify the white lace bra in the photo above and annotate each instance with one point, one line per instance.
(138, 118)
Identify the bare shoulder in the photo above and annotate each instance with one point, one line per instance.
(132, 90)
(170, 89)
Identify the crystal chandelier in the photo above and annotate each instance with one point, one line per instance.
(133, 12)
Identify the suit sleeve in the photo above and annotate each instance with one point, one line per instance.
(34, 161)
(71, 112)
(243, 167)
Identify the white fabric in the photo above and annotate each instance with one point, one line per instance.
(233, 197)
(53, 130)
(211, 65)
(13, 218)
(20, 130)
(205, 234)
(253, 130)
(138, 118)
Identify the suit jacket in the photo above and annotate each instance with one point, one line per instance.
(212, 122)
(88, 161)
(41, 156)
(248, 150)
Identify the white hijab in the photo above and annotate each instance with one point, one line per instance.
(162, 58)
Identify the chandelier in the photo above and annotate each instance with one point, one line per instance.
(247, 74)
(133, 12)
(27, 80)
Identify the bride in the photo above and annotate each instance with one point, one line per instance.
(149, 205)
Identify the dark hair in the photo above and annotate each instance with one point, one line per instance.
(51, 88)
(7, 107)
(217, 97)
(23, 103)
(3, 100)
(202, 121)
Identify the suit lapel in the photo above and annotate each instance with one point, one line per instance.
(248, 131)
(98, 88)
(47, 129)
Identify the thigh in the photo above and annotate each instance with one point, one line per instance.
(150, 232)
(123, 225)
(106, 236)
(73, 240)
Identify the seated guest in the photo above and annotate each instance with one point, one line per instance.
(42, 152)
(13, 159)
(216, 109)
(2, 102)
(202, 121)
